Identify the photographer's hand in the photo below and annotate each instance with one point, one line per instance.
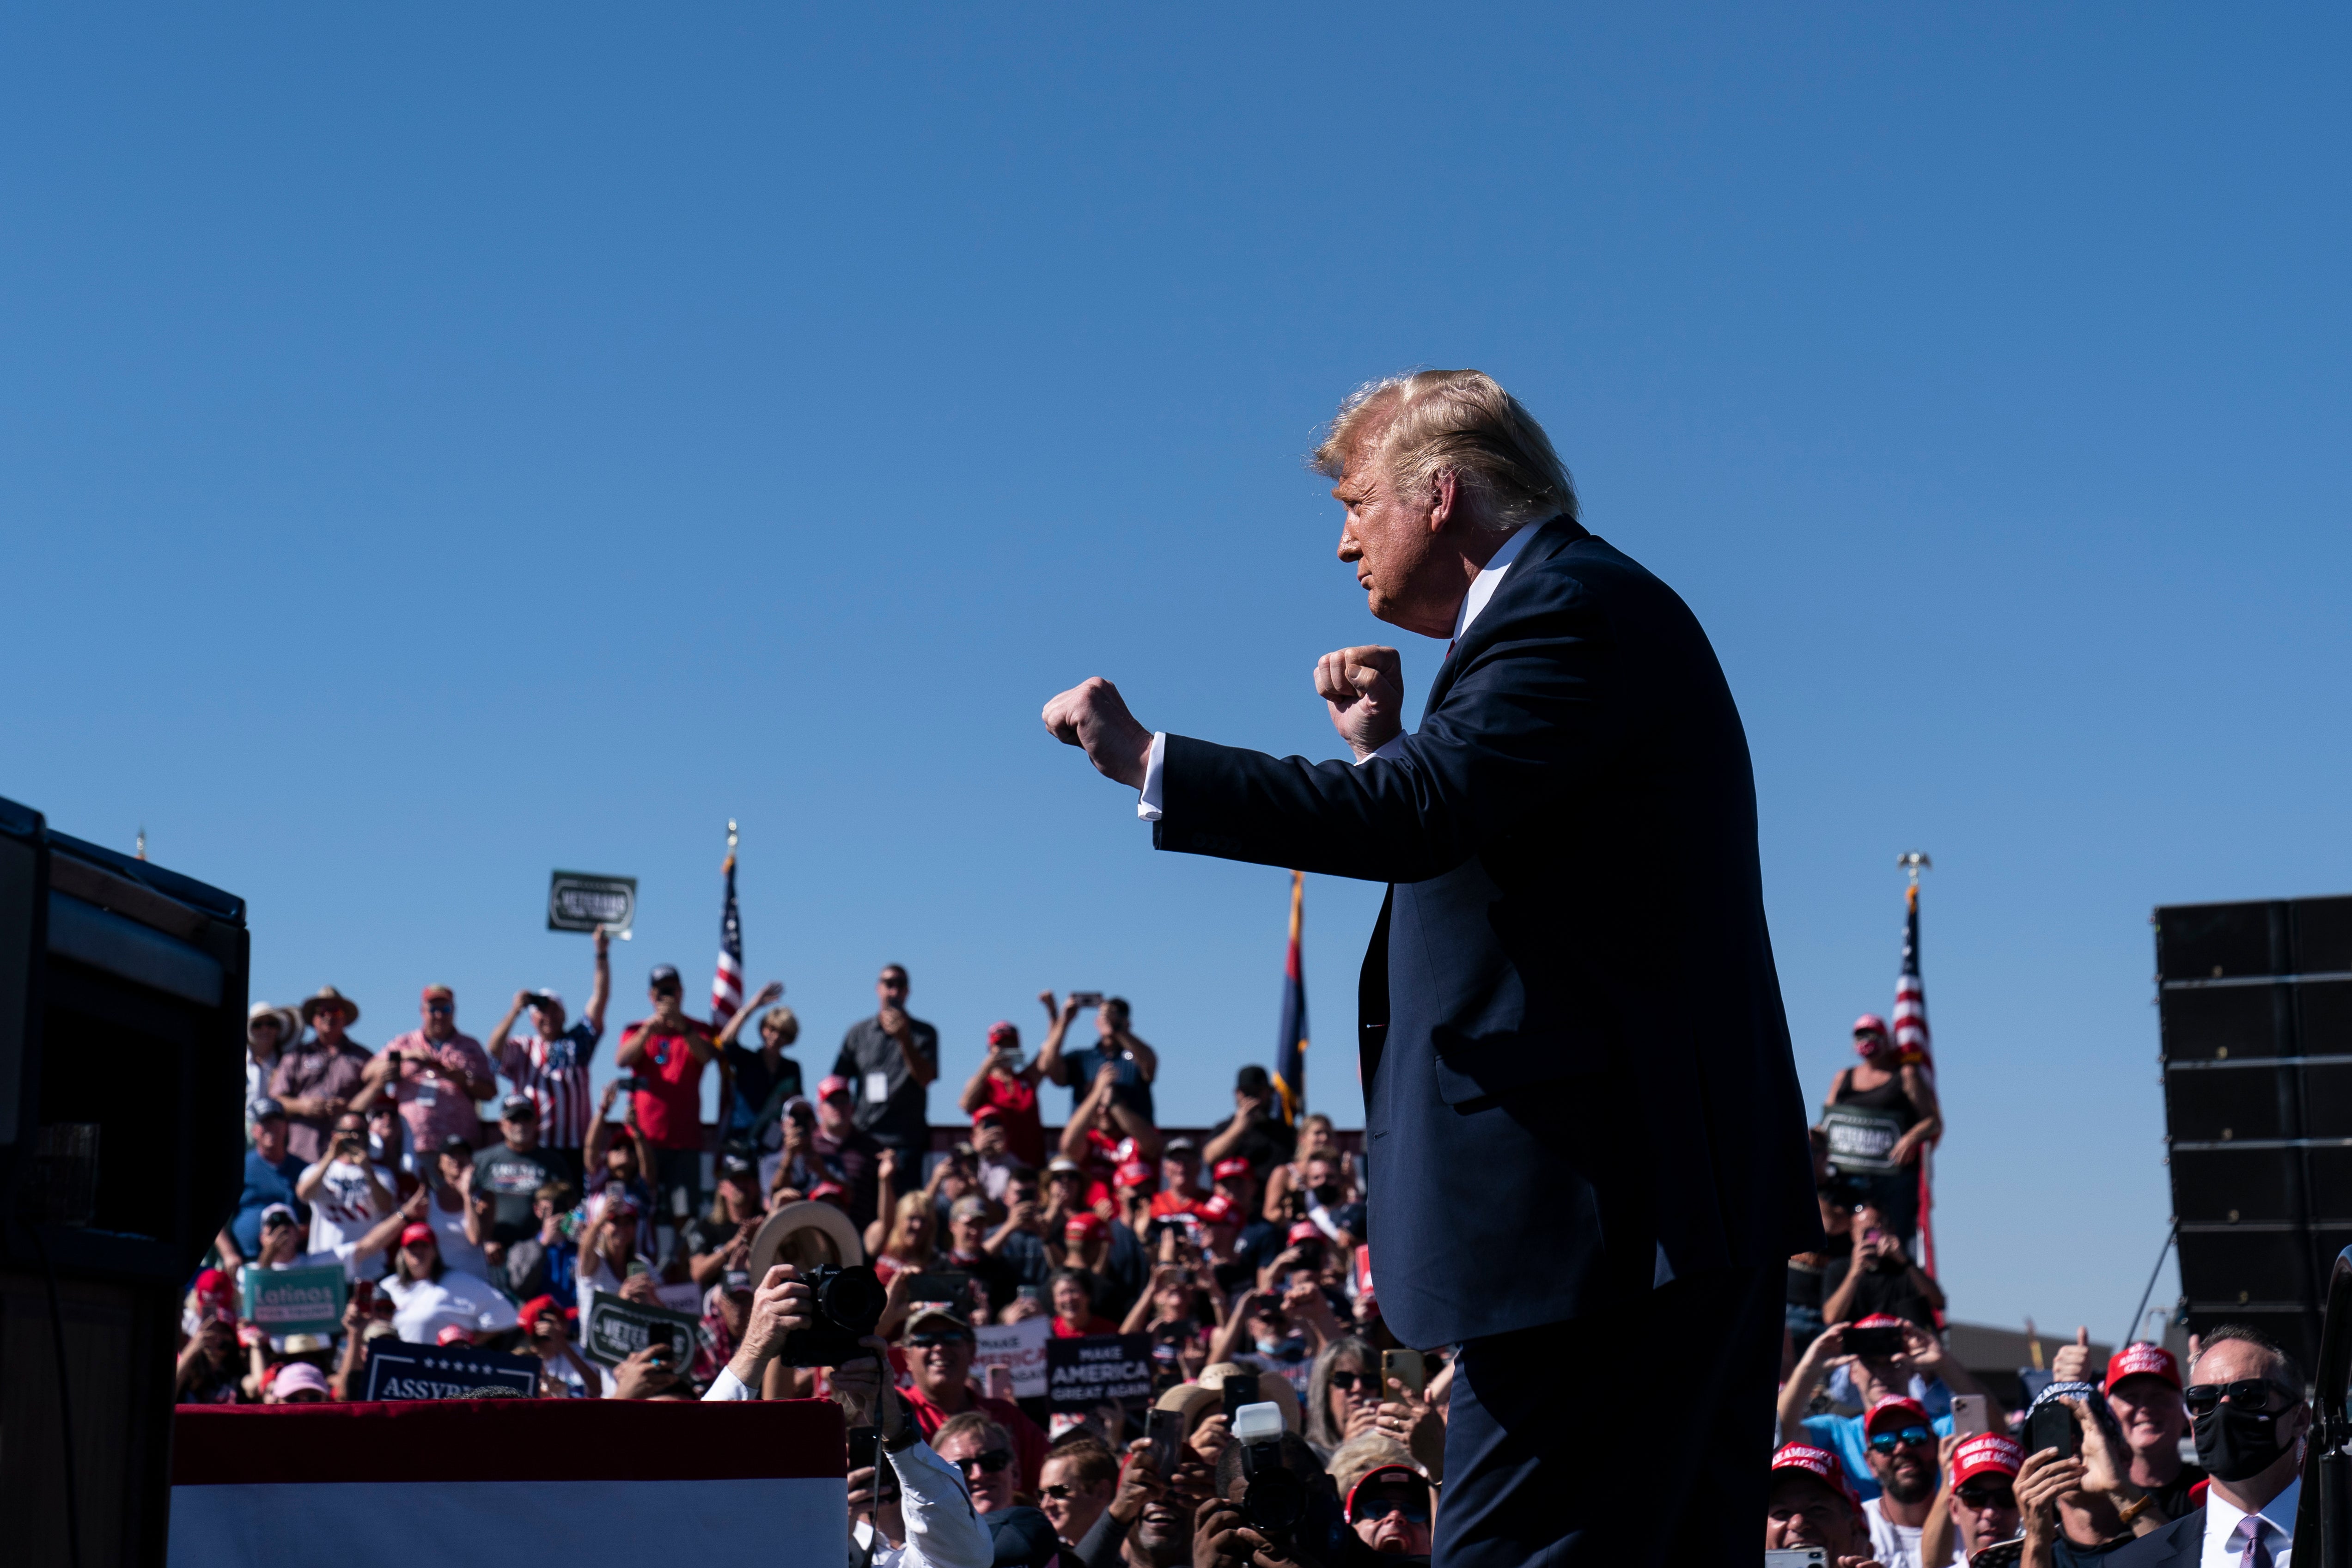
(1220, 1539)
(1139, 1483)
(642, 1375)
(782, 1306)
(858, 1386)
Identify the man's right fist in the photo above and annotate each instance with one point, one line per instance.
(1093, 715)
(1364, 688)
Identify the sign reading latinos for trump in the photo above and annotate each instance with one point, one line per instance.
(399, 1370)
(581, 900)
(1861, 1139)
(1020, 1347)
(294, 1300)
(1081, 1373)
(618, 1329)
(495, 1483)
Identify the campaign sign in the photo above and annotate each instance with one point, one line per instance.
(294, 1300)
(1081, 1373)
(1020, 1347)
(1861, 1139)
(581, 900)
(617, 1329)
(398, 1370)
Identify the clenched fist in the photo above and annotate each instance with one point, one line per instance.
(1364, 688)
(1093, 715)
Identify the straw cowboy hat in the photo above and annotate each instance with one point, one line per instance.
(288, 1026)
(328, 997)
(804, 1235)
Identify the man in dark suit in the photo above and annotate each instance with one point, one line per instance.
(2245, 1397)
(1586, 1141)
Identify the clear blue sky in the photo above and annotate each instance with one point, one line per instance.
(441, 446)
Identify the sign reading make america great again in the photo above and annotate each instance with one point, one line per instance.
(1081, 1373)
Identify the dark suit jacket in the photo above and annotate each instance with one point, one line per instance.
(2177, 1545)
(1573, 1050)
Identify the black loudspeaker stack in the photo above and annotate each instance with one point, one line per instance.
(2256, 1005)
(122, 994)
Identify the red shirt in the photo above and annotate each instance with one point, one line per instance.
(1164, 1203)
(1028, 1442)
(669, 1100)
(1024, 1134)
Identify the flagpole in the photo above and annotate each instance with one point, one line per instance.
(1913, 862)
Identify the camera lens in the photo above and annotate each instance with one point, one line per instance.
(852, 1298)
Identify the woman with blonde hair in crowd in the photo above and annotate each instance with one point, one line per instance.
(909, 1242)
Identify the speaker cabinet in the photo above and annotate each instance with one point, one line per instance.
(122, 994)
(2255, 1004)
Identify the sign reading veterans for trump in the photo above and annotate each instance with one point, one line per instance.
(1081, 1373)
(501, 1483)
(581, 900)
(399, 1370)
(618, 1329)
(1861, 1139)
(293, 1300)
(1019, 1347)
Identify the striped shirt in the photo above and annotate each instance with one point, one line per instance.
(554, 1074)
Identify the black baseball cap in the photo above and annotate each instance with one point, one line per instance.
(735, 1167)
(663, 978)
(1253, 1079)
(520, 1106)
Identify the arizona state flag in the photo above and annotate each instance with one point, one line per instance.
(1290, 1050)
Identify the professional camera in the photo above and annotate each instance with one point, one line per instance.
(1274, 1502)
(849, 1302)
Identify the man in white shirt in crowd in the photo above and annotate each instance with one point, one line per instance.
(349, 1193)
(935, 1523)
(1901, 1452)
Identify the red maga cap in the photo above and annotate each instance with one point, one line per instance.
(1215, 1209)
(986, 1113)
(1003, 1032)
(1135, 1174)
(411, 1235)
(1089, 1226)
(1879, 1321)
(2141, 1357)
(827, 1086)
(1817, 1463)
(1908, 1408)
(1303, 1230)
(1986, 1453)
(1227, 1169)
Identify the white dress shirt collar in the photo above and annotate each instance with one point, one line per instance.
(1490, 576)
(2222, 1517)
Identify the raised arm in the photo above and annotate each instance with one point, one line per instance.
(770, 994)
(1049, 1062)
(496, 1043)
(1805, 1380)
(600, 992)
(1147, 1060)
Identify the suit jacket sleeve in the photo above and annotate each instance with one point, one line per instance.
(1528, 717)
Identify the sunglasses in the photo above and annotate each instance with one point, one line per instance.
(926, 1341)
(1413, 1505)
(1996, 1496)
(440, 1006)
(1909, 1437)
(991, 1461)
(1349, 1381)
(1059, 1493)
(2255, 1392)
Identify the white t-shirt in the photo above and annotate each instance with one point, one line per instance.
(449, 1231)
(344, 1210)
(1896, 1545)
(423, 1308)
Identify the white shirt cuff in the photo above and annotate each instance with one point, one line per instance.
(1390, 749)
(1148, 807)
(727, 1387)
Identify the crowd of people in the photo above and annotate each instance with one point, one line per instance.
(1240, 1255)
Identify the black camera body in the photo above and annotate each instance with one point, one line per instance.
(1274, 1501)
(849, 1300)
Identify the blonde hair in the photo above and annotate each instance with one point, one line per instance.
(899, 1243)
(1432, 421)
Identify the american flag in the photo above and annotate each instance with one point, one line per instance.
(727, 980)
(1911, 991)
(1290, 1047)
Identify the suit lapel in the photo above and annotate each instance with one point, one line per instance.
(1551, 538)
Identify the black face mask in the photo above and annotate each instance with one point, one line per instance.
(1329, 1194)
(2236, 1444)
